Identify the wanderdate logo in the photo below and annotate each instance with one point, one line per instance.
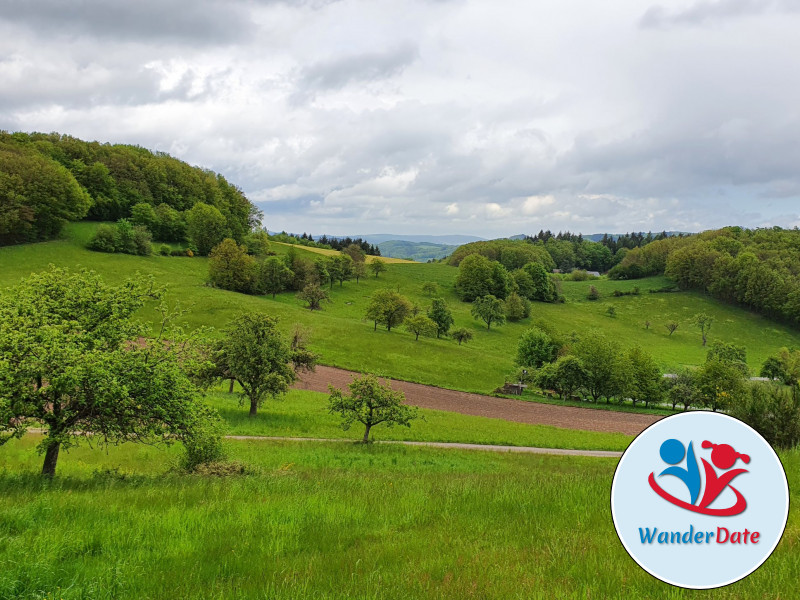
(699, 500)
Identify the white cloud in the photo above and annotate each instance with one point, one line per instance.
(424, 116)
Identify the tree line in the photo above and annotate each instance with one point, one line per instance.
(47, 180)
(325, 242)
(755, 268)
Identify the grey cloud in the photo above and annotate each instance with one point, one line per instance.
(202, 21)
(339, 72)
(702, 13)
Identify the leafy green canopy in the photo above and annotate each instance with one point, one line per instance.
(370, 403)
(73, 359)
(47, 179)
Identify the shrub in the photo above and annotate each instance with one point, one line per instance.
(142, 241)
(203, 443)
(104, 240)
(772, 410)
(164, 250)
(593, 294)
(462, 335)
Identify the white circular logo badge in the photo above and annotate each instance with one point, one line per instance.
(699, 500)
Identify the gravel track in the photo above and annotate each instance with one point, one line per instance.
(427, 396)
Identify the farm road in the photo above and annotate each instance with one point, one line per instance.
(427, 396)
(456, 445)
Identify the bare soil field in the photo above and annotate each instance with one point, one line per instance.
(426, 396)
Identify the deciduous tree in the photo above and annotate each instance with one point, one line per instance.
(488, 309)
(74, 360)
(273, 276)
(441, 315)
(231, 268)
(370, 403)
(377, 266)
(387, 307)
(420, 325)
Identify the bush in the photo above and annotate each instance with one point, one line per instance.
(203, 444)
(220, 469)
(104, 240)
(593, 294)
(142, 241)
(164, 250)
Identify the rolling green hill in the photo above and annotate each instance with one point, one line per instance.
(418, 251)
(343, 338)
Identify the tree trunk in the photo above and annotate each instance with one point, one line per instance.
(51, 459)
(376, 326)
(704, 339)
(417, 338)
(366, 434)
(253, 408)
(230, 389)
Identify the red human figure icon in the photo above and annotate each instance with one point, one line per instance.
(724, 457)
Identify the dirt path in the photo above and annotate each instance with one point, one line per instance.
(427, 396)
(460, 446)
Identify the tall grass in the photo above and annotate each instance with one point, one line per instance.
(331, 521)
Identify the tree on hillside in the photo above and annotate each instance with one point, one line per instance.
(488, 309)
(671, 326)
(535, 348)
(783, 366)
(719, 383)
(205, 227)
(340, 268)
(259, 358)
(517, 308)
(462, 335)
(273, 276)
(644, 381)
(359, 270)
(544, 288)
(703, 321)
(387, 307)
(430, 288)
(441, 315)
(68, 364)
(355, 252)
(37, 195)
(420, 325)
(730, 353)
(565, 376)
(370, 403)
(377, 266)
(231, 268)
(602, 360)
(313, 295)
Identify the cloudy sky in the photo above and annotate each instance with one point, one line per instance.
(485, 117)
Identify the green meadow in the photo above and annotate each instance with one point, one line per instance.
(343, 338)
(305, 414)
(317, 520)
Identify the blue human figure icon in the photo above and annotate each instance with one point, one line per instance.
(672, 453)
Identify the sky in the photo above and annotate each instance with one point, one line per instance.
(489, 118)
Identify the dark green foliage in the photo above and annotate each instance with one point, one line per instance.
(68, 362)
(273, 276)
(719, 383)
(682, 389)
(37, 195)
(544, 286)
(370, 403)
(565, 376)
(122, 237)
(478, 276)
(108, 181)
(258, 243)
(340, 268)
(772, 410)
(516, 307)
(783, 366)
(164, 250)
(489, 310)
(441, 316)
(231, 268)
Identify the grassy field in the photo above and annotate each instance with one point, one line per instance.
(343, 338)
(305, 414)
(330, 521)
